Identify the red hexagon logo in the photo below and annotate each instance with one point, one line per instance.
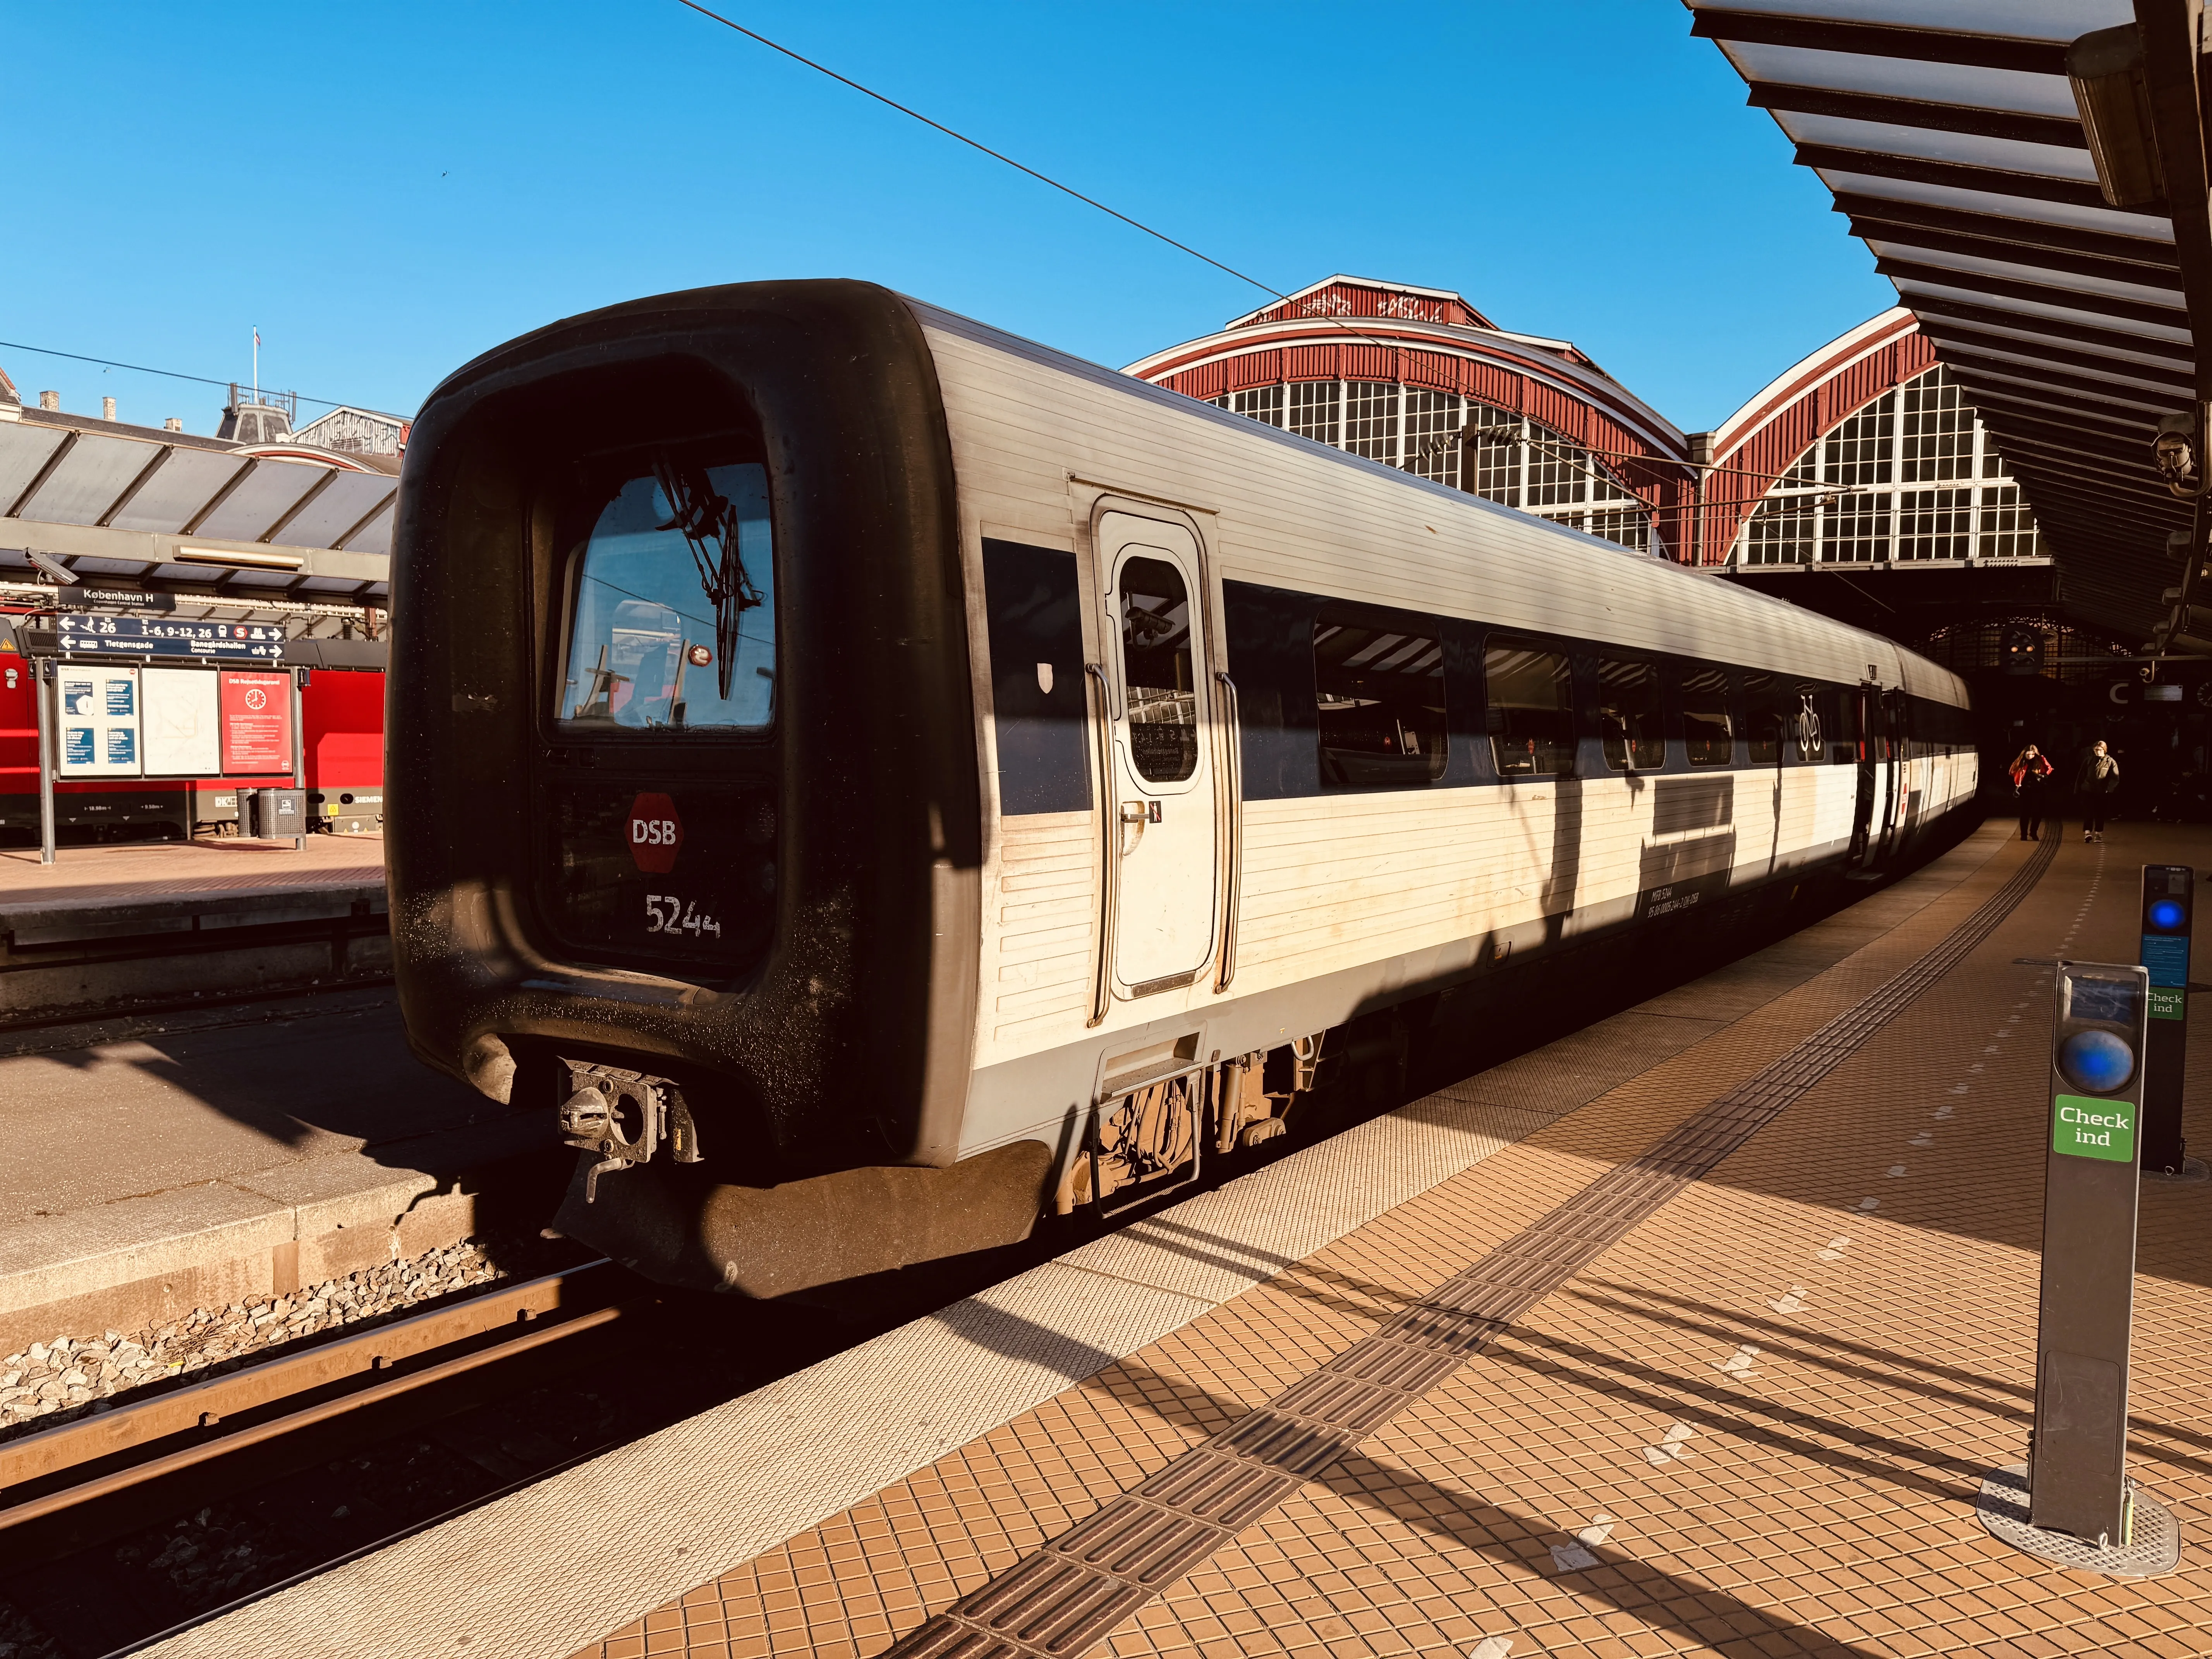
(656, 834)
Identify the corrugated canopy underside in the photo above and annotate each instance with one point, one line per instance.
(160, 497)
(1948, 133)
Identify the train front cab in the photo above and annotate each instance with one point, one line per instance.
(682, 807)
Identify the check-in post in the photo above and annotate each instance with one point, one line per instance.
(2168, 911)
(2077, 1476)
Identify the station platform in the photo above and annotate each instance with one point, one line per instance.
(210, 865)
(1694, 1333)
(109, 928)
(164, 1166)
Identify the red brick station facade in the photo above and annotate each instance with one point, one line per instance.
(1863, 455)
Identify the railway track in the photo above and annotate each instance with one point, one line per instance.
(70, 1492)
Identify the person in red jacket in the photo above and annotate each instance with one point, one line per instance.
(2031, 775)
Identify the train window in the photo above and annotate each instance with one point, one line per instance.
(1531, 715)
(1766, 713)
(1845, 723)
(1708, 729)
(1628, 715)
(672, 606)
(1380, 691)
(1156, 670)
(1948, 729)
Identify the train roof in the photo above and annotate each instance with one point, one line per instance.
(1544, 577)
(1919, 675)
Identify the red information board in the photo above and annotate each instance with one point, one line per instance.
(257, 723)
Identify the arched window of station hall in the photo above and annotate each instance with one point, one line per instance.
(1516, 462)
(1912, 475)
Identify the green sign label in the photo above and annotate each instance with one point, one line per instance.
(2165, 1004)
(2082, 1127)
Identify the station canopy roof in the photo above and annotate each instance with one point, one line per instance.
(1950, 134)
(166, 511)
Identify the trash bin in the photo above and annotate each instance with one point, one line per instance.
(279, 813)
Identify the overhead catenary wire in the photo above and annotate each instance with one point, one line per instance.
(169, 374)
(976, 144)
(983, 148)
(891, 103)
(1115, 213)
(998, 155)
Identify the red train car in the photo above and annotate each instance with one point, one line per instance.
(342, 728)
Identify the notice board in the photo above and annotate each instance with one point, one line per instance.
(98, 721)
(179, 725)
(256, 713)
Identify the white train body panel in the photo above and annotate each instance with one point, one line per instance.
(1343, 898)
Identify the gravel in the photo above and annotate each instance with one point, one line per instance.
(22, 1639)
(73, 1375)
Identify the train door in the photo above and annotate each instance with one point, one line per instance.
(1161, 795)
(1866, 714)
(1894, 772)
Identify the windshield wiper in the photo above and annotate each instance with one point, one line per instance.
(703, 516)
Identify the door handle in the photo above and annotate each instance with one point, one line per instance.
(1136, 814)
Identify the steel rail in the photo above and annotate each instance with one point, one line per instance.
(582, 1292)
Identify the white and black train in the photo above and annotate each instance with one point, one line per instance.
(875, 781)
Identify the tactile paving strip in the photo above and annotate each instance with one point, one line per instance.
(1061, 1601)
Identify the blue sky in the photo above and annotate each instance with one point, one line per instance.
(387, 191)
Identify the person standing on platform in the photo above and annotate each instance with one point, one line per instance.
(2096, 783)
(2031, 772)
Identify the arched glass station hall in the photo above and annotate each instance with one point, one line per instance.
(1865, 455)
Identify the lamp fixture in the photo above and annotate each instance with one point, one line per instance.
(236, 560)
(2106, 67)
(51, 567)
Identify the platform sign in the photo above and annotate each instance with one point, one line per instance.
(94, 636)
(90, 634)
(2169, 903)
(99, 724)
(255, 715)
(2077, 1476)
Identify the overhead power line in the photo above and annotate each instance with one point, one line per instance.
(170, 374)
(1042, 179)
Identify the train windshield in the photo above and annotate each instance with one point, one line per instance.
(673, 605)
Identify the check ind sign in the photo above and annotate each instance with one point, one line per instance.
(2082, 1127)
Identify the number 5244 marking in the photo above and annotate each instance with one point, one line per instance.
(666, 913)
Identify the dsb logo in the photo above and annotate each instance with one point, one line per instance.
(656, 834)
